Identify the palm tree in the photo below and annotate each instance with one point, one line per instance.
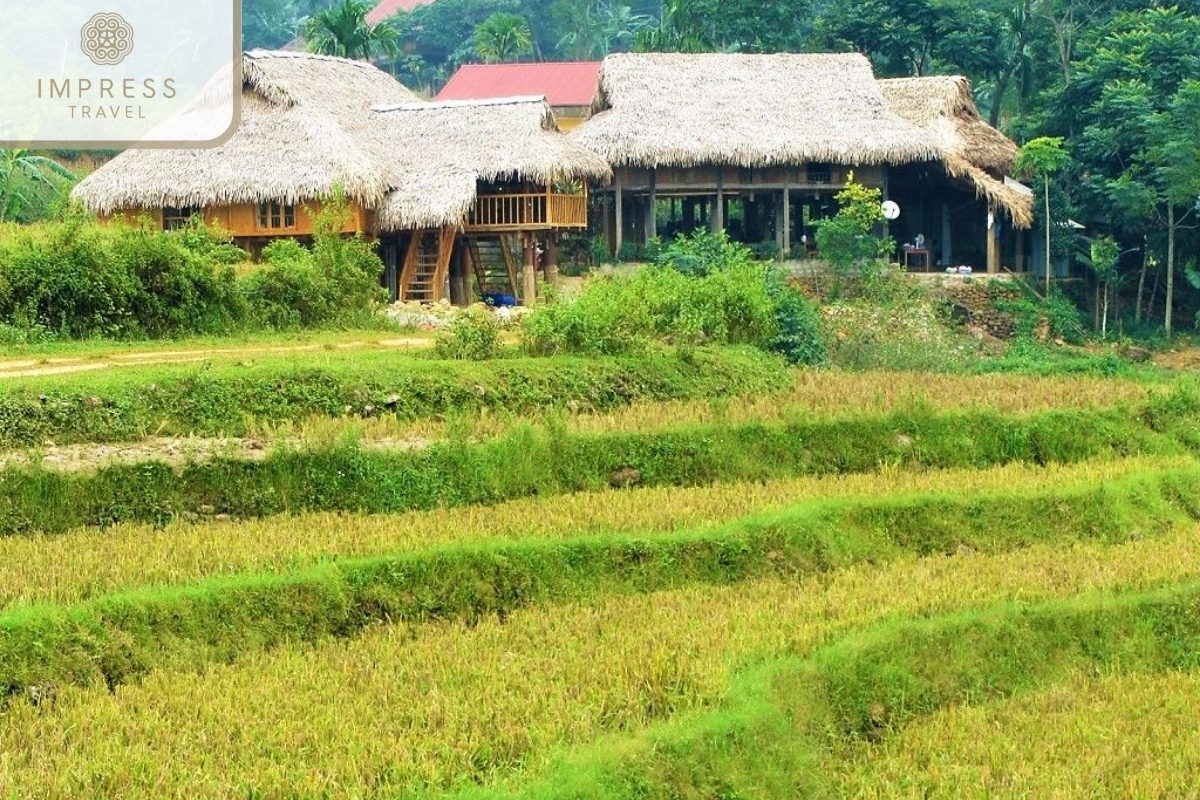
(503, 37)
(24, 181)
(344, 31)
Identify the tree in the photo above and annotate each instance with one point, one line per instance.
(1175, 153)
(1103, 258)
(847, 240)
(595, 28)
(503, 37)
(25, 182)
(1043, 156)
(344, 31)
(1136, 97)
(681, 29)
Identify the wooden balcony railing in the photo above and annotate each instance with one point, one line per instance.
(528, 212)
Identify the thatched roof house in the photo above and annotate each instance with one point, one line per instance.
(302, 133)
(944, 108)
(440, 153)
(421, 176)
(759, 145)
(675, 110)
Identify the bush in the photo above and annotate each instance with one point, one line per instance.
(77, 279)
(847, 240)
(337, 282)
(472, 336)
(703, 288)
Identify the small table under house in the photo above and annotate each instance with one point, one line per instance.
(920, 255)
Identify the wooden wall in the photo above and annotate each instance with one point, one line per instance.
(241, 220)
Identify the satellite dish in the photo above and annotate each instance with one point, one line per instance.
(890, 209)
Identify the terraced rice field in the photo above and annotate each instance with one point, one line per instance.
(899, 622)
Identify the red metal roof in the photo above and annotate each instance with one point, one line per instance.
(389, 7)
(564, 83)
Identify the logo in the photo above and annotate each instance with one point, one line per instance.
(106, 39)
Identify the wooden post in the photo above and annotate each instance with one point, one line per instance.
(778, 203)
(460, 294)
(652, 208)
(947, 246)
(620, 215)
(608, 240)
(787, 221)
(993, 244)
(717, 220)
(529, 271)
(550, 260)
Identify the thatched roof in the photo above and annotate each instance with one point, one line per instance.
(969, 148)
(439, 151)
(301, 135)
(664, 110)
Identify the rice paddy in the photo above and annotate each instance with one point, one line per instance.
(598, 643)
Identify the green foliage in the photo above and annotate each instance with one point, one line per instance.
(76, 279)
(704, 253)
(703, 288)
(344, 31)
(1103, 257)
(1052, 317)
(503, 37)
(32, 187)
(847, 241)
(337, 282)
(474, 335)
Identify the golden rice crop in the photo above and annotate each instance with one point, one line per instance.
(71, 567)
(1131, 735)
(448, 704)
(823, 393)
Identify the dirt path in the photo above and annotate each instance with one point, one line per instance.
(63, 365)
(177, 452)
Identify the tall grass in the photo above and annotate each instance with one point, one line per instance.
(232, 399)
(1112, 735)
(114, 638)
(406, 711)
(535, 462)
(81, 564)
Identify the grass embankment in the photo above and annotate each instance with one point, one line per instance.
(111, 638)
(1113, 735)
(234, 398)
(81, 564)
(533, 462)
(814, 393)
(444, 706)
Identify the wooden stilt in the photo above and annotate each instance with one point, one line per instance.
(529, 272)
(550, 260)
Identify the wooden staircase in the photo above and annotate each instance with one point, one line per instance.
(425, 265)
(494, 264)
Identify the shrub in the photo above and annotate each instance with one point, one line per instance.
(703, 288)
(847, 240)
(472, 336)
(77, 279)
(337, 282)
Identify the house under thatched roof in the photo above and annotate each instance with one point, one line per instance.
(448, 148)
(302, 133)
(969, 148)
(677, 110)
